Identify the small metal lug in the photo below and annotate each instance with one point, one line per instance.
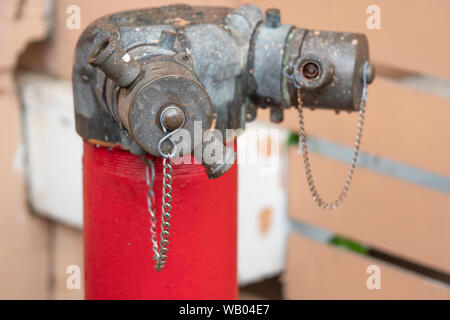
(273, 18)
(276, 115)
(215, 169)
(167, 40)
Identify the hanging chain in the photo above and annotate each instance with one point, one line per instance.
(166, 209)
(159, 251)
(150, 178)
(304, 147)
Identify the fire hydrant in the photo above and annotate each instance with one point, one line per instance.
(155, 85)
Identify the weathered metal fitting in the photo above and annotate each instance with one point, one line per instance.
(172, 117)
(216, 158)
(265, 64)
(339, 57)
(117, 64)
(242, 21)
(273, 18)
(276, 114)
(167, 40)
(291, 54)
(207, 61)
(312, 71)
(166, 81)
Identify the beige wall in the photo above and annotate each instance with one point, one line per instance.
(319, 271)
(24, 238)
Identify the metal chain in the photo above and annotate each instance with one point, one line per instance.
(159, 251)
(166, 209)
(150, 178)
(304, 147)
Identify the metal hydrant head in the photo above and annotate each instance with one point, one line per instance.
(144, 80)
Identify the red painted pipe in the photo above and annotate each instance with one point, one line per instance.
(117, 247)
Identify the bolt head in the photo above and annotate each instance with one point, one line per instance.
(273, 18)
(172, 117)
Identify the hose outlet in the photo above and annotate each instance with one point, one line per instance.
(115, 62)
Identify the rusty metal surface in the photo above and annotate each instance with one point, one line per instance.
(117, 65)
(138, 33)
(345, 53)
(265, 65)
(167, 80)
(293, 46)
(237, 61)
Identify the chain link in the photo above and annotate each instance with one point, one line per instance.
(150, 178)
(166, 209)
(305, 153)
(159, 251)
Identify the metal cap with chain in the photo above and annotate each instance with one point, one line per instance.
(305, 153)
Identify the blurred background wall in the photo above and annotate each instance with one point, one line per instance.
(396, 217)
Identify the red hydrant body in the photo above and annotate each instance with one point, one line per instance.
(117, 242)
